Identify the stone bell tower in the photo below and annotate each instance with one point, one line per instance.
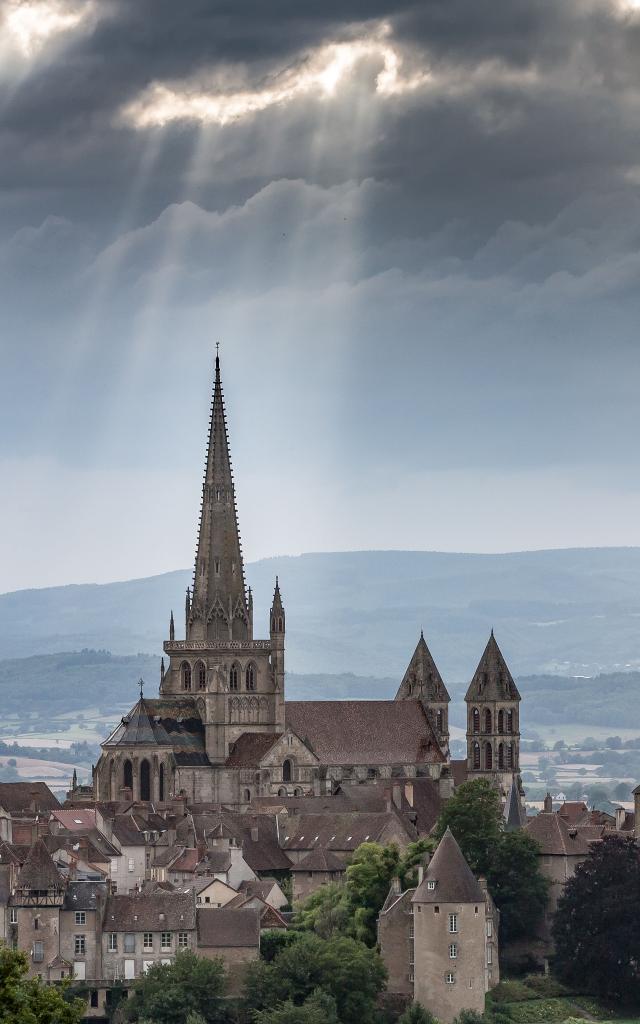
(236, 681)
(493, 720)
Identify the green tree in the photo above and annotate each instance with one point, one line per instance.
(168, 993)
(368, 880)
(347, 970)
(326, 912)
(319, 1008)
(26, 1000)
(517, 884)
(597, 925)
(474, 815)
(272, 940)
(416, 1014)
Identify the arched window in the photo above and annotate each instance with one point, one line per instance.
(488, 757)
(280, 625)
(250, 677)
(297, 791)
(247, 796)
(287, 771)
(201, 675)
(127, 775)
(509, 755)
(145, 780)
(186, 675)
(440, 721)
(282, 791)
(501, 755)
(476, 756)
(273, 625)
(500, 721)
(234, 678)
(509, 721)
(161, 783)
(487, 720)
(475, 720)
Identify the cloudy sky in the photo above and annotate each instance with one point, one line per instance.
(413, 227)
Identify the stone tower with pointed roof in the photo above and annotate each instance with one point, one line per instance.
(422, 681)
(493, 720)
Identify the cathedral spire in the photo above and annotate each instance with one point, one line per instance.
(218, 609)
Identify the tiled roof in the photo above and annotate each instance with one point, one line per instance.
(127, 831)
(554, 836)
(158, 912)
(39, 871)
(213, 861)
(79, 820)
(320, 860)
(454, 879)
(492, 679)
(341, 831)
(367, 732)
(261, 854)
(224, 927)
(250, 748)
(574, 812)
(21, 796)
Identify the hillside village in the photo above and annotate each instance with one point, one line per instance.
(220, 813)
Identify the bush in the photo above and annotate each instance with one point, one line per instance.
(511, 992)
(545, 986)
(541, 1011)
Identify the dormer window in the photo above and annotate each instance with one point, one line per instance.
(431, 885)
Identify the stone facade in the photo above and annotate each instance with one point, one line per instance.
(493, 721)
(439, 941)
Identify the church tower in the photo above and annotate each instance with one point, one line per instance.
(236, 681)
(493, 720)
(422, 681)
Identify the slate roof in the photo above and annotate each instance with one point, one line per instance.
(492, 679)
(555, 838)
(84, 895)
(225, 927)
(213, 861)
(262, 855)
(367, 732)
(574, 812)
(250, 748)
(422, 678)
(19, 796)
(39, 871)
(513, 811)
(161, 722)
(455, 881)
(320, 860)
(142, 913)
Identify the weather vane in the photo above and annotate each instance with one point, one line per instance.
(141, 685)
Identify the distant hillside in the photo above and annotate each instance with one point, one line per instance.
(69, 683)
(566, 612)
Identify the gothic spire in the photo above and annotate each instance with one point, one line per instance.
(219, 601)
(492, 679)
(422, 678)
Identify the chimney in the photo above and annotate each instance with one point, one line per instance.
(548, 804)
(420, 874)
(395, 886)
(621, 814)
(254, 833)
(396, 794)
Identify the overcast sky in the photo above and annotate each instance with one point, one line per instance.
(413, 227)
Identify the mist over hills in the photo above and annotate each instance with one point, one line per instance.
(569, 612)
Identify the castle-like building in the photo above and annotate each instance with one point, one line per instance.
(221, 730)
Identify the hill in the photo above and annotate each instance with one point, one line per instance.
(569, 612)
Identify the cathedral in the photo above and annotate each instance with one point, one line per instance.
(221, 730)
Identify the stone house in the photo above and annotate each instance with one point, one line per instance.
(34, 913)
(80, 942)
(231, 934)
(140, 930)
(439, 942)
(319, 867)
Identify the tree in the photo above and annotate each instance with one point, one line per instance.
(169, 993)
(347, 970)
(508, 860)
(26, 1000)
(326, 912)
(597, 925)
(517, 884)
(416, 1014)
(272, 940)
(319, 1008)
(368, 880)
(474, 815)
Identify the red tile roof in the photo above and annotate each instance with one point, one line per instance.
(365, 732)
